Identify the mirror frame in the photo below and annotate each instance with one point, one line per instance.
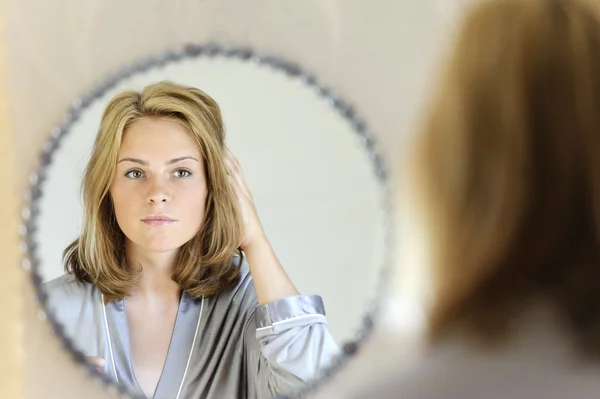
(30, 211)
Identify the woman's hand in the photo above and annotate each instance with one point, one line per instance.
(270, 279)
(253, 230)
(98, 362)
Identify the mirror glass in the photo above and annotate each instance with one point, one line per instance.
(317, 182)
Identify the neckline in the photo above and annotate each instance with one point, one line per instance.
(179, 354)
(129, 352)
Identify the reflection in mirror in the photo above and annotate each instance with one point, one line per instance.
(209, 210)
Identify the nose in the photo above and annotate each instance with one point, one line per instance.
(158, 192)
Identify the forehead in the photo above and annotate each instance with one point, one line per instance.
(153, 136)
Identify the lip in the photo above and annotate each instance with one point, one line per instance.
(158, 220)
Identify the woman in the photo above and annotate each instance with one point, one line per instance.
(507, 186)
(156, 291)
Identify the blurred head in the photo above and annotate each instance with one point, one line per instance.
(508, 170)
(156, 182)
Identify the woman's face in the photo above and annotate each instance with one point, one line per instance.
(159, 187)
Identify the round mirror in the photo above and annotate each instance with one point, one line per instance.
(318, 184)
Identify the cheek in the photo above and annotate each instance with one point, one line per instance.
(194, 200)
(122, 201)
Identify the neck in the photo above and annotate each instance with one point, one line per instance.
(157, 271)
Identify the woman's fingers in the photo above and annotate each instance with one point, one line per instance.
(240, 190)
(233, 162)
(235, 172)
(98, 362)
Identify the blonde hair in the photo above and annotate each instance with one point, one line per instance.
(204, 265)
(509, 170)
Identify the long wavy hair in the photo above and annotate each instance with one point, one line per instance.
(205, 263)
(508, 167)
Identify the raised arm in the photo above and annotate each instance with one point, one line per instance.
(286, 341)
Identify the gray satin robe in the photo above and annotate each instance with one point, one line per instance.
(226, 346)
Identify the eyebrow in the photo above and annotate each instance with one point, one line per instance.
(170, 162)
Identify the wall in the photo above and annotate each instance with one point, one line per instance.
(10, 311)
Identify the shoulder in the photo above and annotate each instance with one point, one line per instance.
(77, 308)
(245, 278)
(245, 285)
(66, 285)
(65, 292)
(242, 294)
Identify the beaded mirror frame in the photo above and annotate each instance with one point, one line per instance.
(30, 211)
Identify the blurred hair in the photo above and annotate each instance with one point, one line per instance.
(508, 167)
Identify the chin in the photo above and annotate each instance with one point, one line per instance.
(162, 247)
(159, 246)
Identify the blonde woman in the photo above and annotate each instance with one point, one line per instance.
(507, 182)
(157, 291)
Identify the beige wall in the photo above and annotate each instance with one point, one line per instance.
(11, 385)
(377, 54)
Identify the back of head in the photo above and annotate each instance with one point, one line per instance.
(508, 166)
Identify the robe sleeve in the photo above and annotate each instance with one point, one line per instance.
(287, 343)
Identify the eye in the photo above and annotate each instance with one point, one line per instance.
(182, 173)
(134, 174)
